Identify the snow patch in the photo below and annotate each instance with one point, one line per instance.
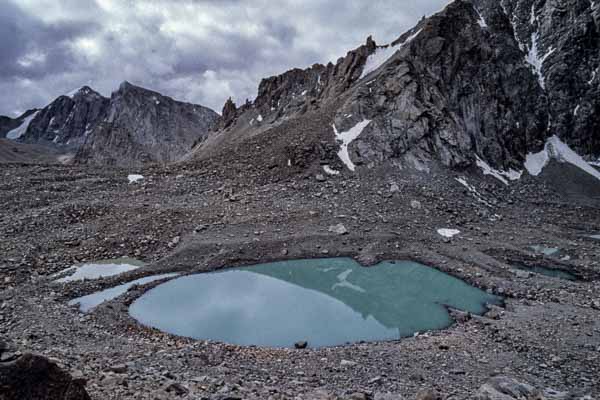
(259, 118)
(346, 138)
(134, 178)
(448, 233)
(502, 176)
(89, 302)
(384, 53)
(330, 171)
(21, 129)
(473, 191)
(560, 151)
(536, 61)
(594, 74)
(481, 20)
(95, 271)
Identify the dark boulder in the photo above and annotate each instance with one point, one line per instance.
(33, 377)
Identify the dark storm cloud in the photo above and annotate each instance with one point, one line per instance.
(201, 51)
(31, 48)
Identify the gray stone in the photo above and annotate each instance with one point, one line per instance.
(338, 229)
(505, 388)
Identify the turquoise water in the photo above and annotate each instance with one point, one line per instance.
(325, 302)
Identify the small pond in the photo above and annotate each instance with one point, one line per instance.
(325, 302)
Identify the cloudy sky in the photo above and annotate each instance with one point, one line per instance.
(201, 51)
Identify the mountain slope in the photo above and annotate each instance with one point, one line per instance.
(461, 85)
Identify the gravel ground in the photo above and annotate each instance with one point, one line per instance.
(182, 218)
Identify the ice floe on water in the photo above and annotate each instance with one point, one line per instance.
(502, 176)
(133, 178)
(100, 269)
(557, 150)
(448, 233)
(348, 137)
(89, 302)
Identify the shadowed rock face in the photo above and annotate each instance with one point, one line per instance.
(565, 34)
(68, 120)
(481, 78)
(133, 127)
(143, 126)
(34, 377)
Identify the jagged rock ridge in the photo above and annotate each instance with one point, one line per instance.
(480, 78)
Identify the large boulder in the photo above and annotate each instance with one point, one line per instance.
(33, 377)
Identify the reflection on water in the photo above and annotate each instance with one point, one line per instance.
(325, 302)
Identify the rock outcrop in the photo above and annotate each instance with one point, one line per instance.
(34, 377)
(142, 126)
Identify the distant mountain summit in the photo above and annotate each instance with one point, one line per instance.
(142, 126)
(132, 127)
(68, 120)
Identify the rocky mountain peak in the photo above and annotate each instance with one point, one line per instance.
(481, 79)
(228, 113)
(142, 126)
(85, 93)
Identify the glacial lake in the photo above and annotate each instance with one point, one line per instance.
(326, 302)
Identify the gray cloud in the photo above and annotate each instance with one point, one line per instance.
(201, 51)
